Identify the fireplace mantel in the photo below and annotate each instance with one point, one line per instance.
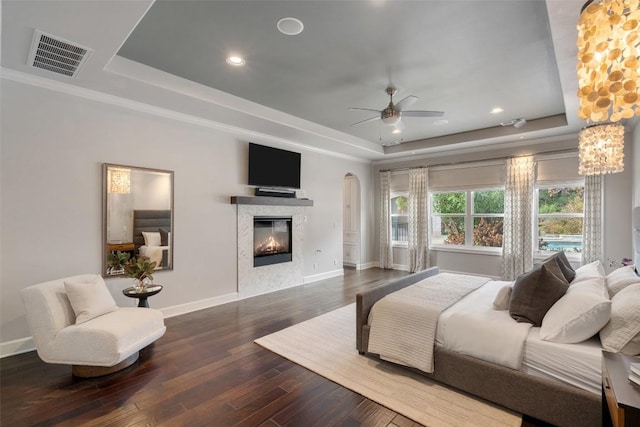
(269, 201)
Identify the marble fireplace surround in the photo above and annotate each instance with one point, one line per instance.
(268, 278)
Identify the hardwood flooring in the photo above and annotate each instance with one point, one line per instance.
(205, 371)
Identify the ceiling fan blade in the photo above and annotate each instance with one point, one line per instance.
(420, 113)
(405, 102)
(363, 109)
(371, 119)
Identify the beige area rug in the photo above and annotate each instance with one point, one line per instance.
(326, 346)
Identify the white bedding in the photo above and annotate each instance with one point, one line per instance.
(154, 253)
(403, 324)
(576, 364)
(473, 328)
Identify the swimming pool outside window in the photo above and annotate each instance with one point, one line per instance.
(560, 212)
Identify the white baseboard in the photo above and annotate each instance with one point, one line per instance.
(367, 265)
(19, 346)
(188, 307)
(23, 345)
(322, 276)
(401, 267)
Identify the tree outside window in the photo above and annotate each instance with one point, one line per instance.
(480, 225)
(560, 215)
(448, 218)
(488, 218)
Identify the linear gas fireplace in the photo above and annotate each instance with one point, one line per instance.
(271, 240)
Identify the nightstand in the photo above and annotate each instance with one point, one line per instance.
(620, 397)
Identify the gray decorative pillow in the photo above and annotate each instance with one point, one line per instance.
(565, 266)
(536, 291)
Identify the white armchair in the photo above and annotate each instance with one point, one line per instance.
(75, 321)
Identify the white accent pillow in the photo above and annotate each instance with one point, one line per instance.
(151, 238)
(89, 297)
(589, 271)
(578, 315)
(502, 298)
(622, 333)
(620, 278)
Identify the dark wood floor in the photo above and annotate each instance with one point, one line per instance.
(205, 371)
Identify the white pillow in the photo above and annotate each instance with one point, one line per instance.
(589, 271)
(89, 297)
(578, 315)
(502, 298)
(151, 238)
(619, 279)
(622, 333)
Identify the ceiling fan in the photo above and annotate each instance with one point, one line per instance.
(394, 112)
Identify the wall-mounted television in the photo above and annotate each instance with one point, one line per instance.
(273, 167)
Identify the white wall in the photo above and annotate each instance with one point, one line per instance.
(52, 149)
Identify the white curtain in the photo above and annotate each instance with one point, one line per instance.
(386, 250)
(418, 242)
(517, 255)
(592, 222)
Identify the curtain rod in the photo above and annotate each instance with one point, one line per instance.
(478, 161)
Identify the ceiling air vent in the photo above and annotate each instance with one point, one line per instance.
(57, 55)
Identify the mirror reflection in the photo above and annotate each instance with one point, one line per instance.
(138, 217)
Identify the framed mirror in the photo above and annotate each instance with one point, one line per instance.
(137, 217)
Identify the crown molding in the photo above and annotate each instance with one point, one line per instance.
(90, 94)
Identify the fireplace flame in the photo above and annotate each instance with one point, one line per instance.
(270, 246)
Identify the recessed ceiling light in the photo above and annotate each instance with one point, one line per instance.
(497, 110)
(441, 122)
(236, 60)
(290, 26)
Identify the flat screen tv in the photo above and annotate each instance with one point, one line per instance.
(273, 167)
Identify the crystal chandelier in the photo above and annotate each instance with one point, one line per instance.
(601, 149)
(119, 180)
(608, 60)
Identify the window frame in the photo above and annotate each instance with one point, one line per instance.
(393, 195)
(537, 253)
(469, 217)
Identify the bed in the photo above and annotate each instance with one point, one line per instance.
(559, 383)
(152, 235)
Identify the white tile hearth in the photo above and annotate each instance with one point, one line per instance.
(268, 278)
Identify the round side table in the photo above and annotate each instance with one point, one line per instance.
(142, 295)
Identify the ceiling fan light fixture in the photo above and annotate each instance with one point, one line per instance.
(391, 120)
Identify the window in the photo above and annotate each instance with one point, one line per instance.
(400, 218)
(559, 215)
(467, 218)
(488, 218)
(448, 215)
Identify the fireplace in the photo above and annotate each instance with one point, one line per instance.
(271, 240)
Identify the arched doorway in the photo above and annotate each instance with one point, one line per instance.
(351, 221)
